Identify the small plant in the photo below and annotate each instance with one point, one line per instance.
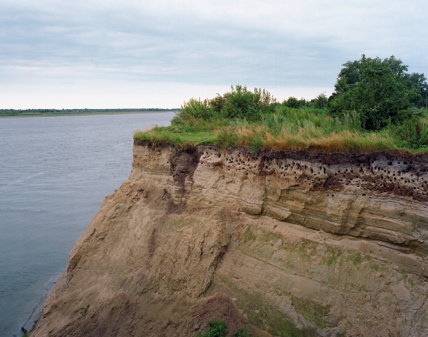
(243, 332)
(83, 311)
(219, 329)
(216, 329)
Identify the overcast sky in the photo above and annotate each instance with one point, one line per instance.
(160, 53)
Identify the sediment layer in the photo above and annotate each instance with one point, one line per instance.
(288, 243)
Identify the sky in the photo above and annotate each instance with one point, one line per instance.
(160, 53)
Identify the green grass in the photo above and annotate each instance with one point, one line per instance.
(285, 136)
(176, 136)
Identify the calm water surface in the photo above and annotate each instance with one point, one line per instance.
(54, 174)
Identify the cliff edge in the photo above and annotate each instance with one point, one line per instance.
(287, 243)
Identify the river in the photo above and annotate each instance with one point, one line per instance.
(54, 174)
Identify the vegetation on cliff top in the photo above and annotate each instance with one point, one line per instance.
(376, 106)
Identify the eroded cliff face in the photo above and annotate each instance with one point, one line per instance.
(288, 243)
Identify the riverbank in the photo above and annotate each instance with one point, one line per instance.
(5, 113)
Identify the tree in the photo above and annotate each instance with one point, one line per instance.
(378, 90)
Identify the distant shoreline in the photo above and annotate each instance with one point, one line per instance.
(73, 112)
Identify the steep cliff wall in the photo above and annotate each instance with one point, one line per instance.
(289, 243)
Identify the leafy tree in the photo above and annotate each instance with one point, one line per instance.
(378, 90)
(420, 89)
(349, 75)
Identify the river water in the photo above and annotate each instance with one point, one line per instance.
(54, 174)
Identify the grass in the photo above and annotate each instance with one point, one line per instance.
(258, 136)
(178, 136)
(279, 127)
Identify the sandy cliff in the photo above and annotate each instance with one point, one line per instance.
(288, 243)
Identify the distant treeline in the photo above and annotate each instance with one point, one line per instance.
(30, 112)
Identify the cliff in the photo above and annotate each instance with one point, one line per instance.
(288, 243)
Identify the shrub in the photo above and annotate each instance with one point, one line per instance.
(293, 102)
(195, 109)
(320, 102)
(238, 103)
(216, 329)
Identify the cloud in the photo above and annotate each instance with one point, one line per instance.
(273, 43)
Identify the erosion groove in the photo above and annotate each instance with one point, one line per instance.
(287, 243)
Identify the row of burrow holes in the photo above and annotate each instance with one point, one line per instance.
(283, 168)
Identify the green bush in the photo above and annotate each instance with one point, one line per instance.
(320, 102)
(293, 102)
(239, 103)
(195, 109)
